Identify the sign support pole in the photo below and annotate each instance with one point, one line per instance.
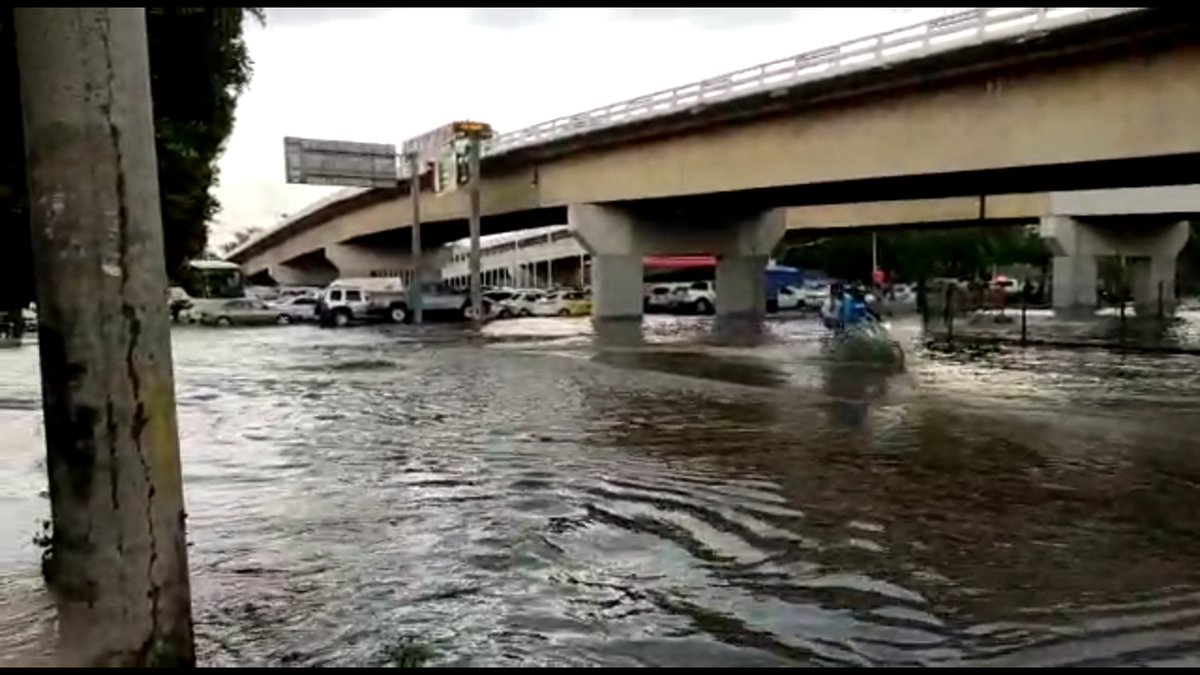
(474, 227)
(415, 287)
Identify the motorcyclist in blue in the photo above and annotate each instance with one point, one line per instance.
(854, 310)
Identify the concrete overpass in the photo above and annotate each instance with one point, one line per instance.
(982, 102)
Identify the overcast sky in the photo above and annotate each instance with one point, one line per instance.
(384, 75)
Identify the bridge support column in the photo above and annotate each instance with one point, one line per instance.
(1152, 273)
(285, 274)
(618, 239)
(609, 234)
(617, 287)
(1148, 244)
(1074, 285)
(1073, 290)
(358, 260)
(741, 287)
(742, 269)
(1152, 280)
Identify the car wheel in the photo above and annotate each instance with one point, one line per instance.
(224, 321)
(504, 314)
(341, 318)
(703, 306)
(398, 314)
(283, 320)
(564, 312)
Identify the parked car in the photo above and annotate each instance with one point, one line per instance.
(903, 294)
(698, 297)
(298, 308)
(178, 302)
(813, 295)
(520, 304)
(563, 303)
(789, 297)
(241, 312)
(495, 298)
(657, 297)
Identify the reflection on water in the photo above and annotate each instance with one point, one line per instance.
(538, 495)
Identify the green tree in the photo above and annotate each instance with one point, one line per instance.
(963, 252)
(240, 237)
(199, 66)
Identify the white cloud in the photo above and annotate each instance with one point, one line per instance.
(383, 75)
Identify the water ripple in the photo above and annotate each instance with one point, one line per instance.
(528, 498)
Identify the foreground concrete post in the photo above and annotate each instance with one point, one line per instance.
(119, 569)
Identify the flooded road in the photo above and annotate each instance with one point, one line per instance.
(530, 497)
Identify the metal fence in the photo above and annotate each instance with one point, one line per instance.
(953, 313)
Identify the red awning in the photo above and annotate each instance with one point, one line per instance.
(678, 262)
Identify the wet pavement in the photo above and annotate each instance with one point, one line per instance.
(530, 496)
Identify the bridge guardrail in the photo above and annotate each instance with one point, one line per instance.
(943, 33)
(947, 32)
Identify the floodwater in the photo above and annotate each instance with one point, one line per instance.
(531, 497)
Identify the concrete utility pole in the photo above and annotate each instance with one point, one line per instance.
(119, 570)
(414, 289)
(475, 149)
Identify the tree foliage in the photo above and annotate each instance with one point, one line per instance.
(240, 237)
(967, 253)
(199, 66)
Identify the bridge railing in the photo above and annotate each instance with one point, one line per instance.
(943, 33)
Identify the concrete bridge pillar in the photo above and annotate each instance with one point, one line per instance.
(1074, 285)
(286, 274)
(617, 287)
(741, 286)
(359, 260)
(1152, 271)
(1152, 282)
(742, 266)
(356, 260)
(618, 238)
(1149, 246)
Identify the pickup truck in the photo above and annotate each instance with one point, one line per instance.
(386, 299)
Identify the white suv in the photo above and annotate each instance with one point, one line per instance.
(698, 297)
(386, 300)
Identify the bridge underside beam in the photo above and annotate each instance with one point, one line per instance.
(1147, 245)
(618, 239)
